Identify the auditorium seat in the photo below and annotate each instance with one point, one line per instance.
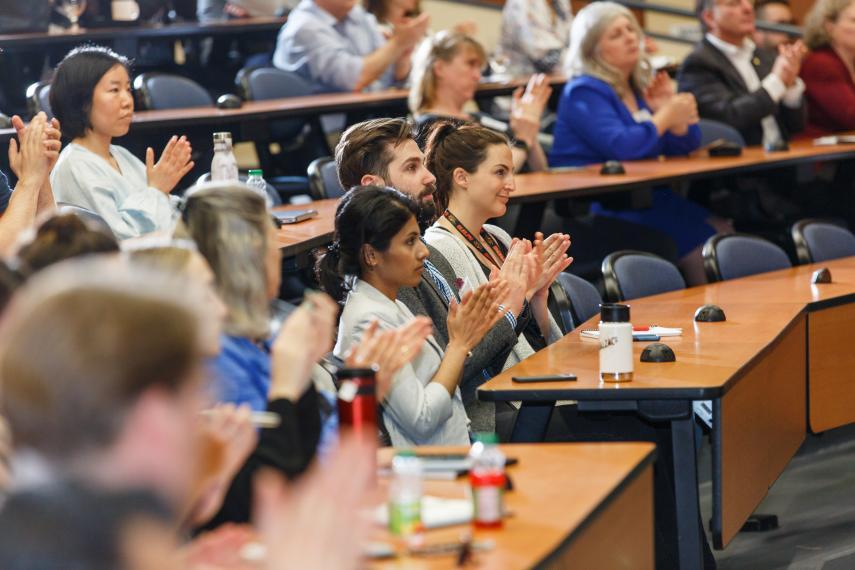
(38, 99)
(323, 179)
(300, 135)
(582, 301)
(161, 91)
(820, 240)
(631, 274)
(739, 255)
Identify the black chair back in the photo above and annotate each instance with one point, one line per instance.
(738, 255)
(263, 83)
(820, 240)
(38, 99)
(582, 301)
(323, 179)
(632, 274)
(160, 91)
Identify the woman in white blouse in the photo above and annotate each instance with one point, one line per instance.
(91, 96)
(378, 250)
(535, 35)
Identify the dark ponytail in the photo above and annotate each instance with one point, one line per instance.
(366, 215)
(451, 145)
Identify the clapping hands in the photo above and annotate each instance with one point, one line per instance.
(33, 156)
(789, 62)
(527, 108)
(386, 351)
(173, 165)
(552, 254)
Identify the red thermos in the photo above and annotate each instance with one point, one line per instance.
(357, 401)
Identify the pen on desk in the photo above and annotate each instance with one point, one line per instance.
(259, 419)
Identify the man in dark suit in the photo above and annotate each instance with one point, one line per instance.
(383, 152)
(755, 91)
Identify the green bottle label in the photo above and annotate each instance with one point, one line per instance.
(405, 517)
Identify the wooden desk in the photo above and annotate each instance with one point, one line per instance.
(180, 30)
(830, 314)
(574, 505)
(587, 181)
(253, 118)
(302, 237)
(781, 353)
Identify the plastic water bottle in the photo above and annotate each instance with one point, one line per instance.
(259, 185)
(224, 166)
(405, 498)
(487, 479)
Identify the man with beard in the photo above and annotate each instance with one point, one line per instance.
(383, 152)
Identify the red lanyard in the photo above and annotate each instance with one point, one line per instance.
(485, 235)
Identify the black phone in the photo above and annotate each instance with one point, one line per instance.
(550, 378)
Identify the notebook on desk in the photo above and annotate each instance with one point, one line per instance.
(834, 139)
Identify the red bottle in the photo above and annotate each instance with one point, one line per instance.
(487, 479)
(357, 401)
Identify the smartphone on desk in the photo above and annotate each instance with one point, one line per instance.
(294, 216)
(549, 378)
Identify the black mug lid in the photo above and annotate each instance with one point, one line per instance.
(348, 373)
(614, 313)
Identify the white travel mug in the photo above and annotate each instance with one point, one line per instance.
(615, 343)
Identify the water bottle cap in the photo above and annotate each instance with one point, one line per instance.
(614, 313)
(486, 437)
(256, 172)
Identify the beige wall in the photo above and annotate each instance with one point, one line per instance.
(665, 24)
(444, 15)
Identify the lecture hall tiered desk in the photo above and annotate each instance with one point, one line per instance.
(779, 365)
(573, 505)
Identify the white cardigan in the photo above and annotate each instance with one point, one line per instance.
(417, 411)
(466, 266)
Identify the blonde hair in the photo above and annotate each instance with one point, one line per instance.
(443, 46)
(169, 258)
(229, 224)
(83, 340)
(823, 11)
(583, 57)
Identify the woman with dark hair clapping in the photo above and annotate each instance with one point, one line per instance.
(91, 97)
(378, 250)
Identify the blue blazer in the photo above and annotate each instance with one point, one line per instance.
(594, 125)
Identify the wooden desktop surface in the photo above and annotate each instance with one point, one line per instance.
(308, 234)
(178, 30)
(587, 180)
(575, 505)
(781, 353)
(536, 187)
(255, 115)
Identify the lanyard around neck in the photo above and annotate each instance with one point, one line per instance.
(479, 247)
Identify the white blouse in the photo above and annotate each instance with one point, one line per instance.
(416, 410)
(124, 199)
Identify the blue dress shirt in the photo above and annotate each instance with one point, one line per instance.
(241, 372)
(329, 52)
